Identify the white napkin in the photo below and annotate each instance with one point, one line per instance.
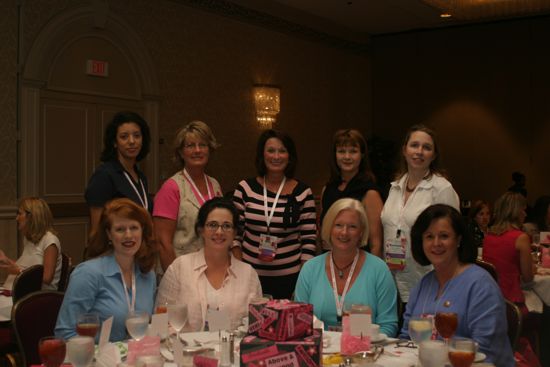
(532, 301)
(108, 356)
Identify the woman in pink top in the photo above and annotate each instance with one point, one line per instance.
(508, 248)
(211, 280)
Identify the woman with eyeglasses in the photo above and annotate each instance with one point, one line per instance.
(211, 279)
(180, 197)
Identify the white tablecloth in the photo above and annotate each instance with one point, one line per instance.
(541, 286)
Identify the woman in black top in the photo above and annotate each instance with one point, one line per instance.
(126, 141)
(351, 177)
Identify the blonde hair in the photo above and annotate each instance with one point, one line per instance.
(507, 212)
(337, 208)
(39, 219)
(200, 130)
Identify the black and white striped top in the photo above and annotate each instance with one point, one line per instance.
(293, 224)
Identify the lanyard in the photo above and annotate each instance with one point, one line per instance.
(269, 217)
(132, 305)
(144, 201)
(340, 300)
(195, 189)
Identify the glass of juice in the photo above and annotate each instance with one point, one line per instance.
(52, 351)
(462, 352)
(87, 324)
(446, 324)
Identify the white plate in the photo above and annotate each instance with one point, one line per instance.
(480, 357)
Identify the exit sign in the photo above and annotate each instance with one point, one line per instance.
(97, 68)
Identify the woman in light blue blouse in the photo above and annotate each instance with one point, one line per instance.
(119, 278)
(357, 276)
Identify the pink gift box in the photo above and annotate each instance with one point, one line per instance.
(280, 320)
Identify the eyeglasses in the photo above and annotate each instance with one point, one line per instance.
(191, 146)
(213, 226)
(403, 343)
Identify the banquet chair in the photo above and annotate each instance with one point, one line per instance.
(489, 267)
(28, 281)
(33, 317)
(66, 265)
(513, 316)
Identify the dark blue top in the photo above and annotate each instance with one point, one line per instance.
(109, 182)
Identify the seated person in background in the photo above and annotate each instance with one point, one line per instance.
(211, 278)
(478, 223)
(440, 238)
(508, 248)
(119, 277)
(40, 244)
(541, 217)
(358, 277)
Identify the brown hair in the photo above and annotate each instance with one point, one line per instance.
(125, 208)
(350, 137)
(39, 219)
(435, 165)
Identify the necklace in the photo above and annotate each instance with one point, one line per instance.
(341, 269)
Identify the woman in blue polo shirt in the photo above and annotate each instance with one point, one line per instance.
(126, 141)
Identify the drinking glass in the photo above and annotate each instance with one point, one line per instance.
(137, 323)
(433, 353)
(87, 324)
(420, 329)
(536, 247)
(446, 324)
(81, 350)
(177, 317)
(52, 351)
(462, 352)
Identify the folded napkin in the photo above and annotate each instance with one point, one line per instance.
(108, 356)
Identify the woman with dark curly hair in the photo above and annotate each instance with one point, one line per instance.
(119, 277)
(276, 216)
(126, 141)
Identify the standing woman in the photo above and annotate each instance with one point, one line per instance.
(119, 277)
(126, 141)
(419, 185)
(277, 216)
(178, 201)
(351, 177)
(40, 243)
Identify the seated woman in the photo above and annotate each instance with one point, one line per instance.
(478, 223)
(211, 278)
(540, 222)
(40, 244)
(508, 248)
(119, 278)
(357, 276)
(440, 238)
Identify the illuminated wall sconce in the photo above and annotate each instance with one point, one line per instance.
(268, 104)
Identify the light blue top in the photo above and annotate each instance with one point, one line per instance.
(374, 286)
(476, 298)
(96, 286)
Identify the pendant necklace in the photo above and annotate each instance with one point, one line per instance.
(341, 269)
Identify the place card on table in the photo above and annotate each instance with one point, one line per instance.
(105, 333)
(159, 325)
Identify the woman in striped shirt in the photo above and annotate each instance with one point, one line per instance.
(276, 216)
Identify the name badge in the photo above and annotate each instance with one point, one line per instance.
(268, 247)
(396, 251)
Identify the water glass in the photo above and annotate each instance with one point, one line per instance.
(420, 329)
(177, 316)
(81, 350)
(433, 353)
(137, 323)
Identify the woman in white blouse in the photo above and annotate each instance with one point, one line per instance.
(419, 184)
(211, 279)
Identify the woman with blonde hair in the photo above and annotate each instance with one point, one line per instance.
(178, 201)
(119, 277)
(352, 177)
(346, 274)
(40, 243)
(508, 248)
